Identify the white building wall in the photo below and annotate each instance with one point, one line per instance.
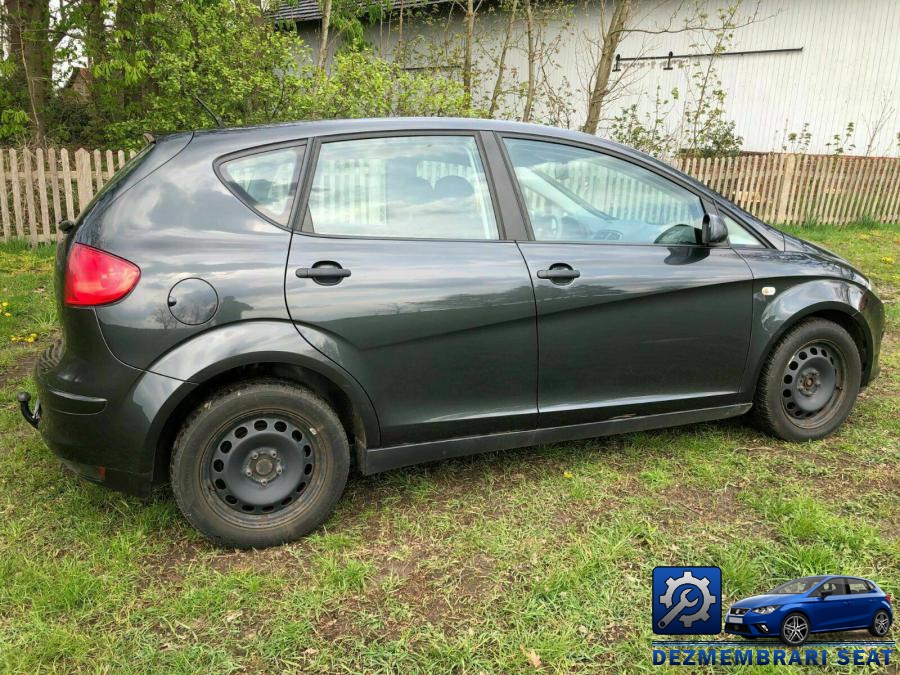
(848, 69)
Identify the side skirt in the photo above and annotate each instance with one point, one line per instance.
(376, 460)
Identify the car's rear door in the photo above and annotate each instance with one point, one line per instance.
(401, 272)
(863, 601)
(635, 315)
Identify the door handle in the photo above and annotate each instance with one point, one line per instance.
(559, 272)
(324, 272)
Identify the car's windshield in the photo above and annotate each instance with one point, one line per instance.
(797, 586)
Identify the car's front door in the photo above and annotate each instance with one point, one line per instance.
(635, 315)
(401, 274)
(833, 611)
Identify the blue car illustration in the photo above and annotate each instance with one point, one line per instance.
(822, 604)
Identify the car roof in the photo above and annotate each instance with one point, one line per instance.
(293, 130)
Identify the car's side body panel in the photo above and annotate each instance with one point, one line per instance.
(439, 333)
(248, 343)
(178, 224)
(804, 284)
(643, 330)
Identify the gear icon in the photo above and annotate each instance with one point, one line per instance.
(701, 584)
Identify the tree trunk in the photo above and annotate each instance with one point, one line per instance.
(32, 55)
(326, 25)
(604, 66)
(532, 63)
(501, 63)
(467, 49)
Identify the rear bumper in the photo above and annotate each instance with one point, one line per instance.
(102, 418)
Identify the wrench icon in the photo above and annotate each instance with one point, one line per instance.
(683, 603)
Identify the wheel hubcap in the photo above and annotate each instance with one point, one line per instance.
(813, 383)
(262, 464)
(881, 623)
(795, 629)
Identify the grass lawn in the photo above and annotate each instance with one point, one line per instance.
(488, 563)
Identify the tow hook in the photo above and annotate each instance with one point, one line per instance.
(33, 418)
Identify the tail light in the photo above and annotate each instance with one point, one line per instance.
(887, 597)
(95, 277)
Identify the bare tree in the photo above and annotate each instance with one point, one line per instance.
(326, 26)
(612, 36)
(532, 62)
(501, 60)
(468, 46)
(688, 16)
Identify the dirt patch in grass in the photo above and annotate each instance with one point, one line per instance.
(19, 369)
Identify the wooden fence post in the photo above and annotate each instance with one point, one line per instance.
(4, 207)
(83, 177)
(67, 183)
(784, 194)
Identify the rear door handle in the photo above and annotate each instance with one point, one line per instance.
(559, 272)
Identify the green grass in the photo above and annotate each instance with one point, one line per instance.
(468, 565)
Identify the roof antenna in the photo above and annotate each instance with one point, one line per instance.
(215, 117)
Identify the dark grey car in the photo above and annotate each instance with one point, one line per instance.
(244, 310)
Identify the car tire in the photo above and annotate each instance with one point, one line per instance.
(809, 382)
(881, 623)
(794, 629)
(259, 463)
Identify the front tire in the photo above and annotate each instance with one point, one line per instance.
(259, 463)
(809, 382)
(794, 629)
(881, 623)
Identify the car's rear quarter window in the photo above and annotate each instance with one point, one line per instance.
(266, 181)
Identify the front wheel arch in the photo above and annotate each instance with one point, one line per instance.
(809, 624)
(843, 316)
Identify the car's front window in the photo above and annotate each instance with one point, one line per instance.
(576, 194)
(796, 586)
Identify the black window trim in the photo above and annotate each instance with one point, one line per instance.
(730, 212)
(298, 144)
(301, 225)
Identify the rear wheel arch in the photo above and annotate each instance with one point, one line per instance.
(348, 412)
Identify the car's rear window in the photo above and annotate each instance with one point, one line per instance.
(266, 181)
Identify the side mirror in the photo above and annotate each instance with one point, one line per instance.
(825, 594)
(714, 230)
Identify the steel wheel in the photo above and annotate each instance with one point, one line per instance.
(814, 384)
(881, 623)
(795, 629)
(261, 464)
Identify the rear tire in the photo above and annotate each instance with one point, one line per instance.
(809, 382)
(881, 623)
(259, 463)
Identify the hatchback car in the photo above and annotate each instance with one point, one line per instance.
(823, 604)
(245, 311)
